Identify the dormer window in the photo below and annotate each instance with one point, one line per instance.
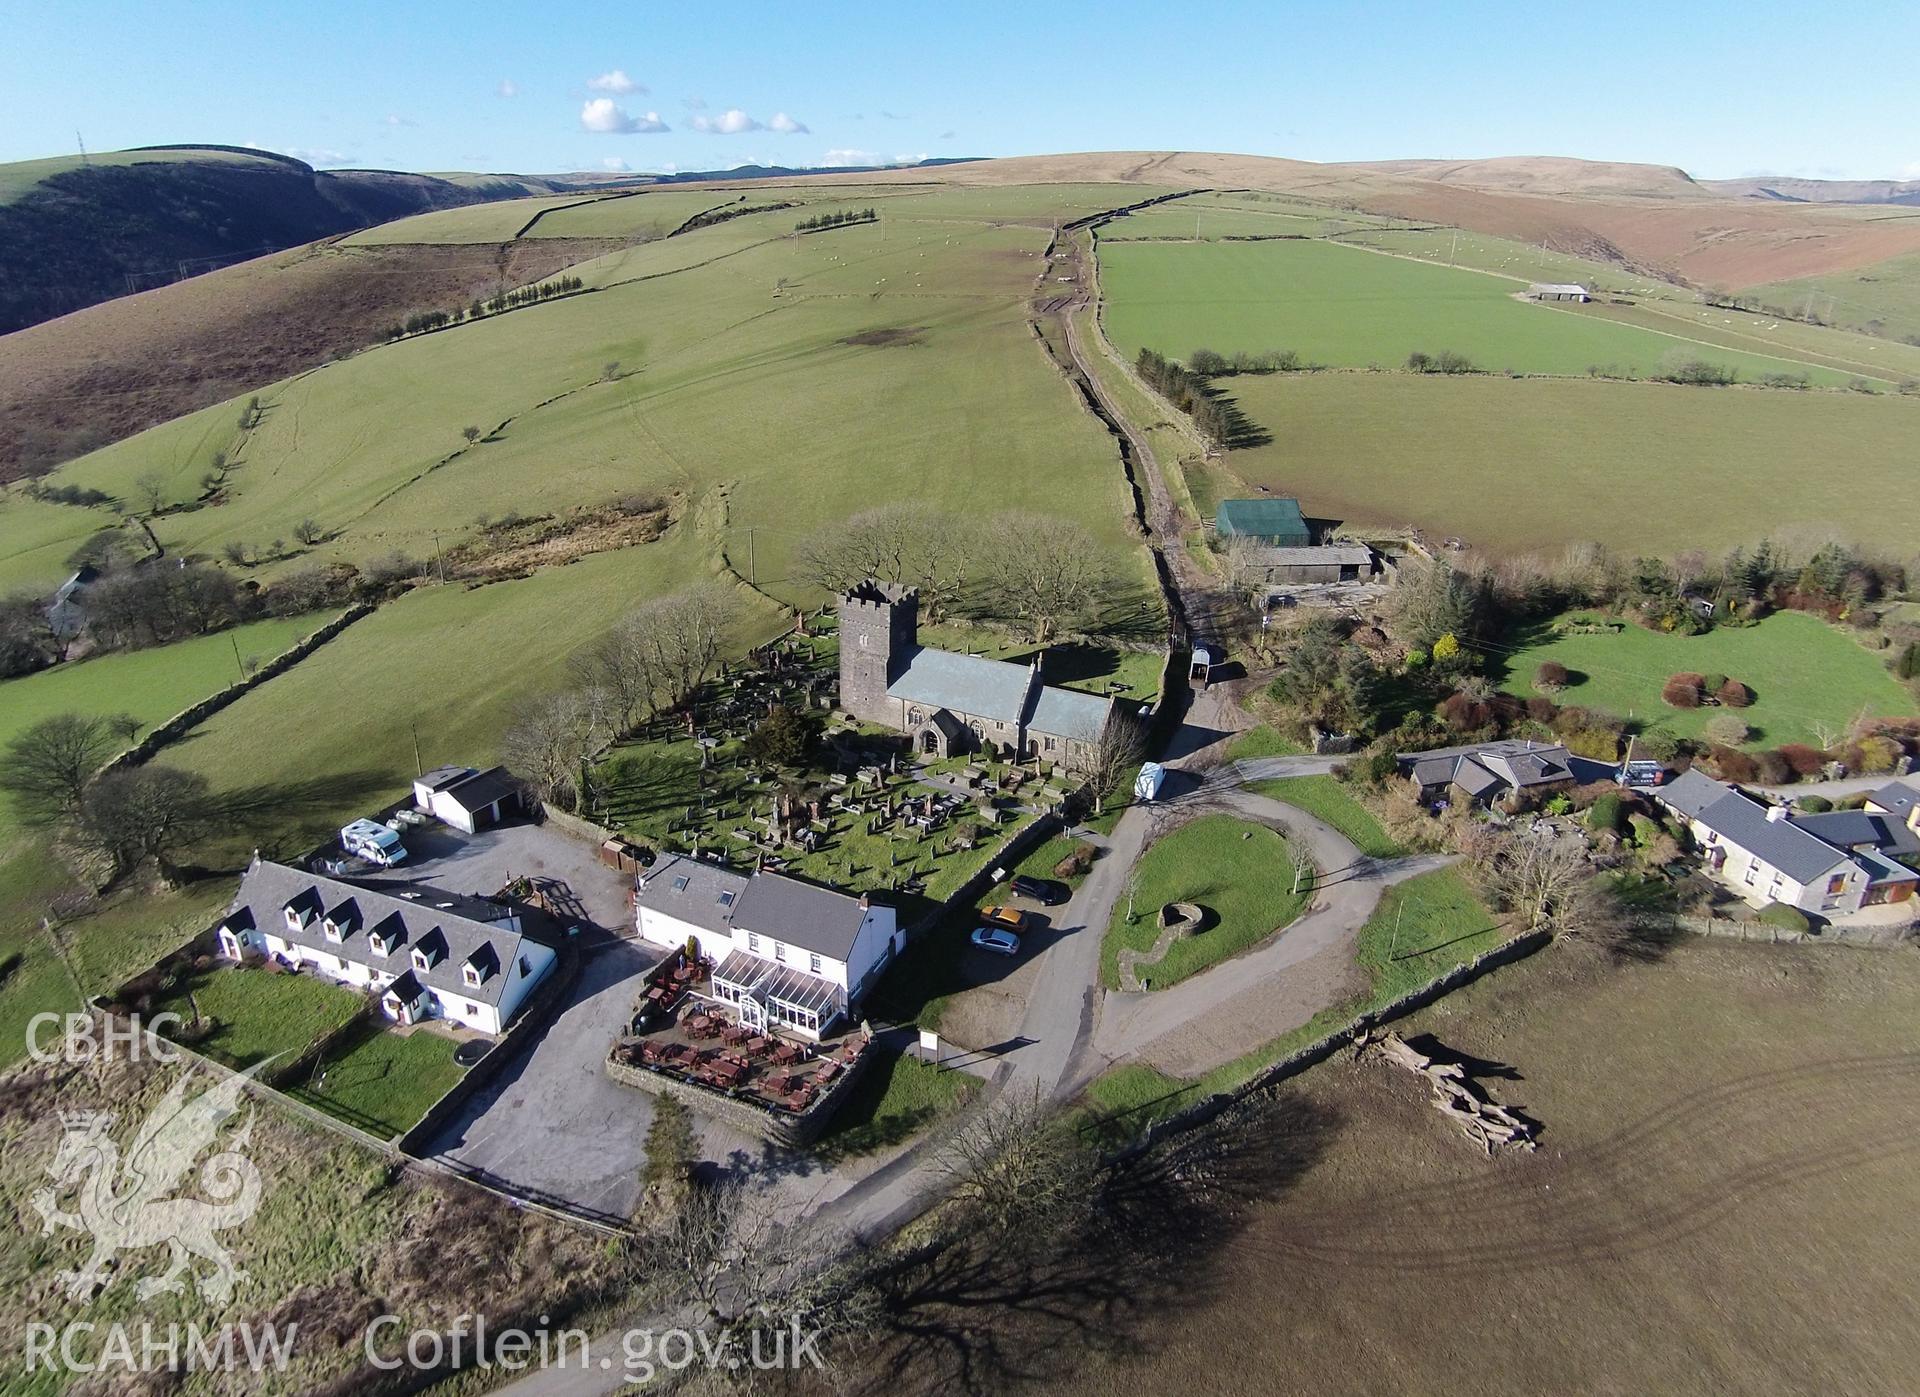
(377, 942)
(333, 931)
(420, 961)
(431, 950)
(480, 966)
(294, 918)
(471, 972)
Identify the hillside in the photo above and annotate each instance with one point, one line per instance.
(74, 232)
(1788, 189)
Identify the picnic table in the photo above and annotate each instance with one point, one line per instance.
(735, 1035)
(786, 1053)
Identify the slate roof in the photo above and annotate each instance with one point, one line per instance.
(1069, 713)
(970, 684)
(1276, 517)
(699, 893)
(1741, 821)
(478, 791)
(1897, 797)
(1857, 829)
(800, 914)
(1556, 288)
(1478, 769)
(1690, 793)
(1351, 554)
(430, 918)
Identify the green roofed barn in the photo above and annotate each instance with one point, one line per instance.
(1274, 521)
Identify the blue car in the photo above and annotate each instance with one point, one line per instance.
(1000, 942)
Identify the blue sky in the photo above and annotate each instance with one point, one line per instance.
(1719, 89)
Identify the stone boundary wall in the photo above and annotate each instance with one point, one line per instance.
(595, 835)
(174, 728)
(1883, 937)
(1029, 836)
(775, 1127)
(1315, 1053)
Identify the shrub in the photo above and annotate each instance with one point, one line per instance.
(1551, 675)
(1727, 729)
(1605, 814)
(1645, 829)
(1658, 744)
(1683, 690)
(1464, 713)
(1712, 682)
(1779, 914)
(1732, 765)
(1802, 759)
(1733, 694)
(1813, 805)
(1771, 769)
(1076, 863)
(1600, 744)
(1542, 710)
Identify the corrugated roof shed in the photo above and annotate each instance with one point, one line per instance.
(1275, 518)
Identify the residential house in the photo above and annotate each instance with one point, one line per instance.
(1829, 864)
(429, 954)
(1901, 799)
(949, 703)
(1485, 772)
(66, 611)
(786, 953)
(468, 800)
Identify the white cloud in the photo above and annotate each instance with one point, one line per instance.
(508, 88)
(910, 159)
(601, 115)
(1911, 170)
(842, 156)
(731, 122)
(615, 164)
(786, 125)
(318, 155)
(617, 82)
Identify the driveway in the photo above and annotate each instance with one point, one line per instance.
(551, 1125)
(568, 870)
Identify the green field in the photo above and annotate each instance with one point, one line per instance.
(1328, 801)
(1803, 673)
(152, 685)
(36, 537)
(383, 1081)
(470, 223)
(1242, 873)
(899, 1098)
(971, 412)
(1532, 465)
(1348, 308)
(1212, 216)
(20, 176)
(1883, 298)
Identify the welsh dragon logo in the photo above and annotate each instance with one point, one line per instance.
(125, 1203)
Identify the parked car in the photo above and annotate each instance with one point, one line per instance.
(1012, 918)
(1040, 890)
(997, 940)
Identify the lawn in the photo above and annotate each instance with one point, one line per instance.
(1802, 671)
(383, 1082)
(1241, 873)
(259, 1013)
(1262, 741)
(899, 1097)
(1330, 802)
(1642, 467)
(1349, 308)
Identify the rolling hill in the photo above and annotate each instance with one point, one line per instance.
(75, 232)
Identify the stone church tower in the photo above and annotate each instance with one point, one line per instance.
(879, 631)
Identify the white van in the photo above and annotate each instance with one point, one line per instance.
(373, 842)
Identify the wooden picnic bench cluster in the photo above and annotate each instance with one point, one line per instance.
(780, 1072)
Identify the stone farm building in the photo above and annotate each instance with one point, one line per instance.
(786, 953)
(949, 704)
(1558, 291)
(1830, 863)
(1297, 567)
(430, 954)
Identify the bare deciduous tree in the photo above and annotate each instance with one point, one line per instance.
(1044, 570)
(1109, 759)
(152, 489)
(684, 635)
(550, 741)
(308, 532)
(144, 812)
(1240, 560)
(1542, 880)
(48, 766)
(903, 542)
(1020, 1173)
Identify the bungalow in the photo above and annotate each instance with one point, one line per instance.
(786, 953)
(427, 953)
(468, 800)
(1831, 863)
(1488, 771)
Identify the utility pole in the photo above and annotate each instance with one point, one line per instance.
(1454, 248)
(86, 161)
(439, 558)
(236, 656)
(753, 573)
(419, 769)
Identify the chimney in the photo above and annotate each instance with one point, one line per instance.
(1776, 813)
(866, 903)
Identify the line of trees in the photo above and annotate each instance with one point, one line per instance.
(1039, 569)
(730, 212)
(422, 321)
(836, 219)
(1447, 361)
(1209, 363)
(1187, 391)
(653, 661)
